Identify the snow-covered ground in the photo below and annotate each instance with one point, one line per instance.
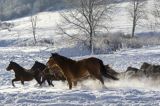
(16, 45)
(90, 92)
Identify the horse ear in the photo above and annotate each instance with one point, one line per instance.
(36, 61)
(11, 59)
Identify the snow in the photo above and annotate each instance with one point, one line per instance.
(90, 92)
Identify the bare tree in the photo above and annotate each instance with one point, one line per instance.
(88, 18)
(156, 13)
(136, 13)
(34, 27)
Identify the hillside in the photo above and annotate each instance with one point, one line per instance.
(10, 9)
(47, 33)
(20, 8)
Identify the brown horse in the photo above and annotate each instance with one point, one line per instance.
(77, 70)
(21, 74)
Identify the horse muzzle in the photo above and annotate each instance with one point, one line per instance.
(7, 69)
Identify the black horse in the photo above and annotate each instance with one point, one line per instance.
(38, 73)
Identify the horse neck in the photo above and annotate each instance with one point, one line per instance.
(18, 68)
(63, 60)
(35, 66)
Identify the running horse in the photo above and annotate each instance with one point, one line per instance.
(42, 73)
(77, 70)
(21, 74)
(37, 70)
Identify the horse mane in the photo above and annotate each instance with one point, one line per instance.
(38, 64)
(63, 57)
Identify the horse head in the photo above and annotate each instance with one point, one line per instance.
(145, 65)
(52, 62)
(10, 66)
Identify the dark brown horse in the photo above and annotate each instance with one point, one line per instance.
(77, 70)
(37, 70)
(21, 74)
(42, 73)
(151, 70)
(132, 69)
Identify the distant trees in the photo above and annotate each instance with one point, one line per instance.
(156, 13)
(88, 18)
(136, 10)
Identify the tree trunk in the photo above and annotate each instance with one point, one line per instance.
(133, 29)
(35, 40)
(91, 43)
(134, 18)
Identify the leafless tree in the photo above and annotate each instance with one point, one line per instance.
(156, 13)
(34, 27)
(88, 18)
(136, 10)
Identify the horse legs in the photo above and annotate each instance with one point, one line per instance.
(49, 82)
(69, 82)
(97, 76)
(75, 83)
(43, 80)
(16, 79)
(38, 80)
(22, 82)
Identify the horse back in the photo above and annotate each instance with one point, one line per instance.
(89, 64)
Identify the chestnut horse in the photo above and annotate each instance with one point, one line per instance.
(76, 70)
(21, 74)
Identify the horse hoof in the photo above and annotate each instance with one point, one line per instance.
(104, 87)
(51, 85)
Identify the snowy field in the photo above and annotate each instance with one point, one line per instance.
(17, 45)
(123, 92)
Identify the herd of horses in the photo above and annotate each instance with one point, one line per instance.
(61, 68)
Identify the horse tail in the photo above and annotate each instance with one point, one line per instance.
(104, 72)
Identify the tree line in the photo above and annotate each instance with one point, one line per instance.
(87, 17)
(93, 16)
